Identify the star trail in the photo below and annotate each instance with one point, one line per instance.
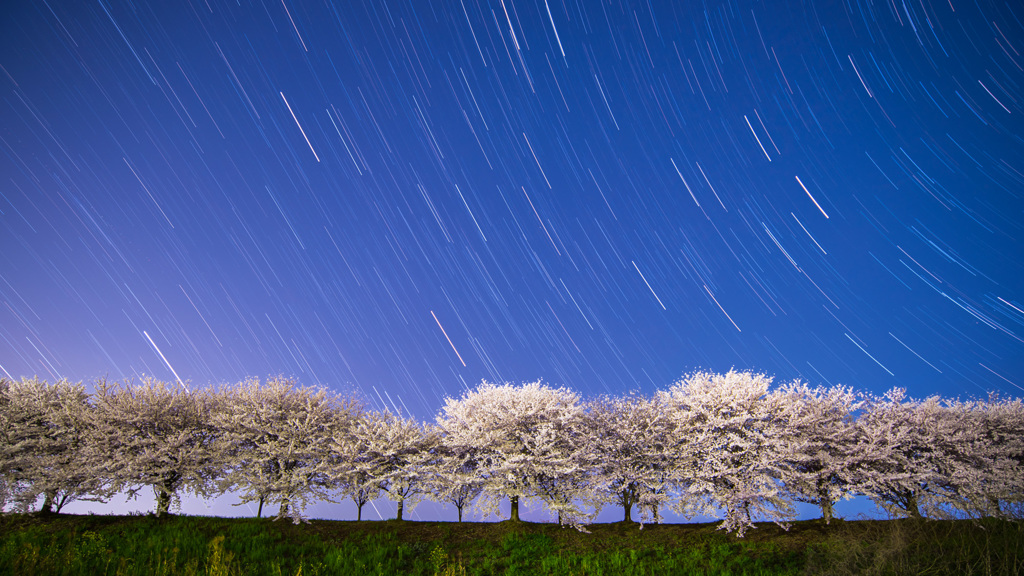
(399, 199)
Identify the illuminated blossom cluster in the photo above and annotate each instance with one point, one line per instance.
(728, 444)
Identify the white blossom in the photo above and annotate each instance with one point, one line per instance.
(392, 455)
(522, 439)
(630, 446)
(43, 447)
(820, 447)
(275, 442)
(155, 435)
(907, 449)
(711, 443)
(944, 458)
(998, 489)
(454, 476)
(729, 438)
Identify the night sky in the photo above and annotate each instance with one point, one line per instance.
(400, 199)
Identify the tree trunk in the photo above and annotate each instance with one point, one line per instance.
(460, 513)
(165, 490)
(912, 508)
(59, 502)
(627, 506)
(259, 511)
(514, 515)
(993, 504)
(163, 501)
(284, 507)
(47, 507)
(826, 507)
(359, 511)
(401, 505)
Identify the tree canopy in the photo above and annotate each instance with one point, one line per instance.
(728, 444)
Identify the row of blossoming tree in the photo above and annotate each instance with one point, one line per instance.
(712, 444)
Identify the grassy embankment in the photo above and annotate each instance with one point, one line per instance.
(127, 545)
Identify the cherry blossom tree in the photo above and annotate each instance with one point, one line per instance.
(565, 472)
(43, 450)
(730, 438)
(394, 455)
(350, 473)
(711, 443)
(454, 476)
(156, 435)
(521, 434)
(966, 459)
(630, 439)
(819, 456)
(961, 460)
(998, 489)
(906, 450)
(274, 439)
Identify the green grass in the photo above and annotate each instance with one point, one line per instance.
(128, 545)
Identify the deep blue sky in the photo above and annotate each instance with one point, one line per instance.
(605, 195)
